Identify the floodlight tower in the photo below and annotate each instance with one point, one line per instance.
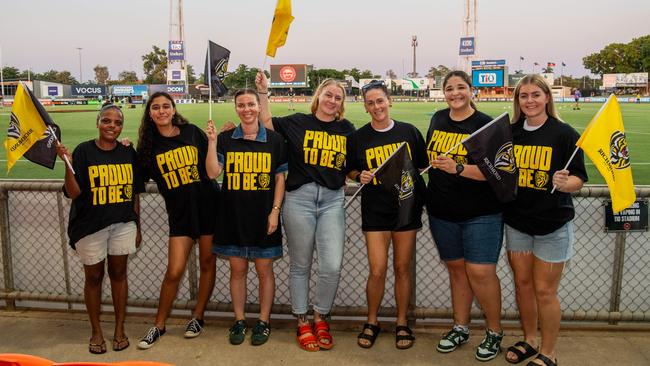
(414, 44)
(176, 60)
(469, 37)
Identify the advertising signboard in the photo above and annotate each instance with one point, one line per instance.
(289, 75)
(169, 89)
(488, 63)
(88, 90)
(636, 79)
(487, 78)
(176, 75)
(126, 90)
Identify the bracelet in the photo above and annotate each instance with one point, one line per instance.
(276, 208)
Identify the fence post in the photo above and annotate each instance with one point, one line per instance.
(6, 247)
(64, 246)
(617, 276)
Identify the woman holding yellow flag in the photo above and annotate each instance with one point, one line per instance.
(539, 232)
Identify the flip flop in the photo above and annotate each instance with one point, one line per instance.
(97, 349)
(120, 344)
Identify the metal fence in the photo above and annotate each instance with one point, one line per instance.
(608, 278)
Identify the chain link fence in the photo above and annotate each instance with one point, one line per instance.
(607, 279)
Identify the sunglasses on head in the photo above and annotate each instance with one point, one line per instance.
(373, 84)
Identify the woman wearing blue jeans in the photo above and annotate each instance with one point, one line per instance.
(313, 213)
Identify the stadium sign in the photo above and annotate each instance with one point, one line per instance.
(290, 75)
(88, 90)
(52, 91)
(484, 63)
(466, 46)
(176, 51)
(176, 75)
(415, 84)
(633, 218)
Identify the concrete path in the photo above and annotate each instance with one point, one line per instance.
(63, 337)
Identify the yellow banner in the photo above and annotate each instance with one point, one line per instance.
(25, 128)
(605, 143)
(282, 19)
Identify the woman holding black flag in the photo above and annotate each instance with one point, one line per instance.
(370, 146)
(465, 218)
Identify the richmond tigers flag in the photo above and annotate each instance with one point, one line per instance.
(605, 144)
(28, 132)
(216, 65)
(282, 19)
(399, 174)
(493, 153)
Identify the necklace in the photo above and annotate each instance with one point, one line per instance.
(171, 132)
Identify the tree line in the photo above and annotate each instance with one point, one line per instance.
(613, 58)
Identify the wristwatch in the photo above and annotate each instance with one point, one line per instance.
(459, 168)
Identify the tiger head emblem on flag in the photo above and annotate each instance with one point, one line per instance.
(14, 127)
(405, 189)
(505, 158)
(221, 67)
(618, 154)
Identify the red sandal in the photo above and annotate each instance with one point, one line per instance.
(325, 340)
(306, 338)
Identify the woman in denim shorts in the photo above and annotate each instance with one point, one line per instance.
(104, 218)
(539, 234)
(253, 162)
(465, 218)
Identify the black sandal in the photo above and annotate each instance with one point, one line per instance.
(375, 329)
(529, 351)
(404, 337)
(547, 361)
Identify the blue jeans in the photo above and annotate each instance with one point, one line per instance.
(314, 217)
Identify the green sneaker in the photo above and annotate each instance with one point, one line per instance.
(238, 332)
(261, 332)
(490, 346)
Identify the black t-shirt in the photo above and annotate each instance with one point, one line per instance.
(316, 150)
(539, 154)
(369, 148)
(451, 197)
(178, 168)
(248, 187)
(109, 182)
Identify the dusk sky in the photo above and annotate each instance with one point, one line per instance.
(367, 34)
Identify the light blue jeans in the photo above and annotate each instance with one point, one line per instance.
(314, 217)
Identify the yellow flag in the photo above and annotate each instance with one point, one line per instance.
(282, 18)
(605, 144)
(25, 128)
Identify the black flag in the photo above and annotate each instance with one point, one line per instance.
(492, 151)
(399, 173)
(216, 64)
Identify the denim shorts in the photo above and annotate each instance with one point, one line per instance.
(477, 240)
(249, 253)
(556, 247)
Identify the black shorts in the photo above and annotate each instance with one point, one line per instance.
(380, 213)
(197, 216)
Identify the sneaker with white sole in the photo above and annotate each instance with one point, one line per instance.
(153, 335)
(453, 339)
(490, 346)
(194, 328)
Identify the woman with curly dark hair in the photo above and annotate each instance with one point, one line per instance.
(173, 153)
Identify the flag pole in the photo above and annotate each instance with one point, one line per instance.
(65, 157)
(467, 138)
(209, 70)
(373, 174)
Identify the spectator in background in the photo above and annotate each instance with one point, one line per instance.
(576, 96)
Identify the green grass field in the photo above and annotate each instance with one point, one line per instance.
(80, 126)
